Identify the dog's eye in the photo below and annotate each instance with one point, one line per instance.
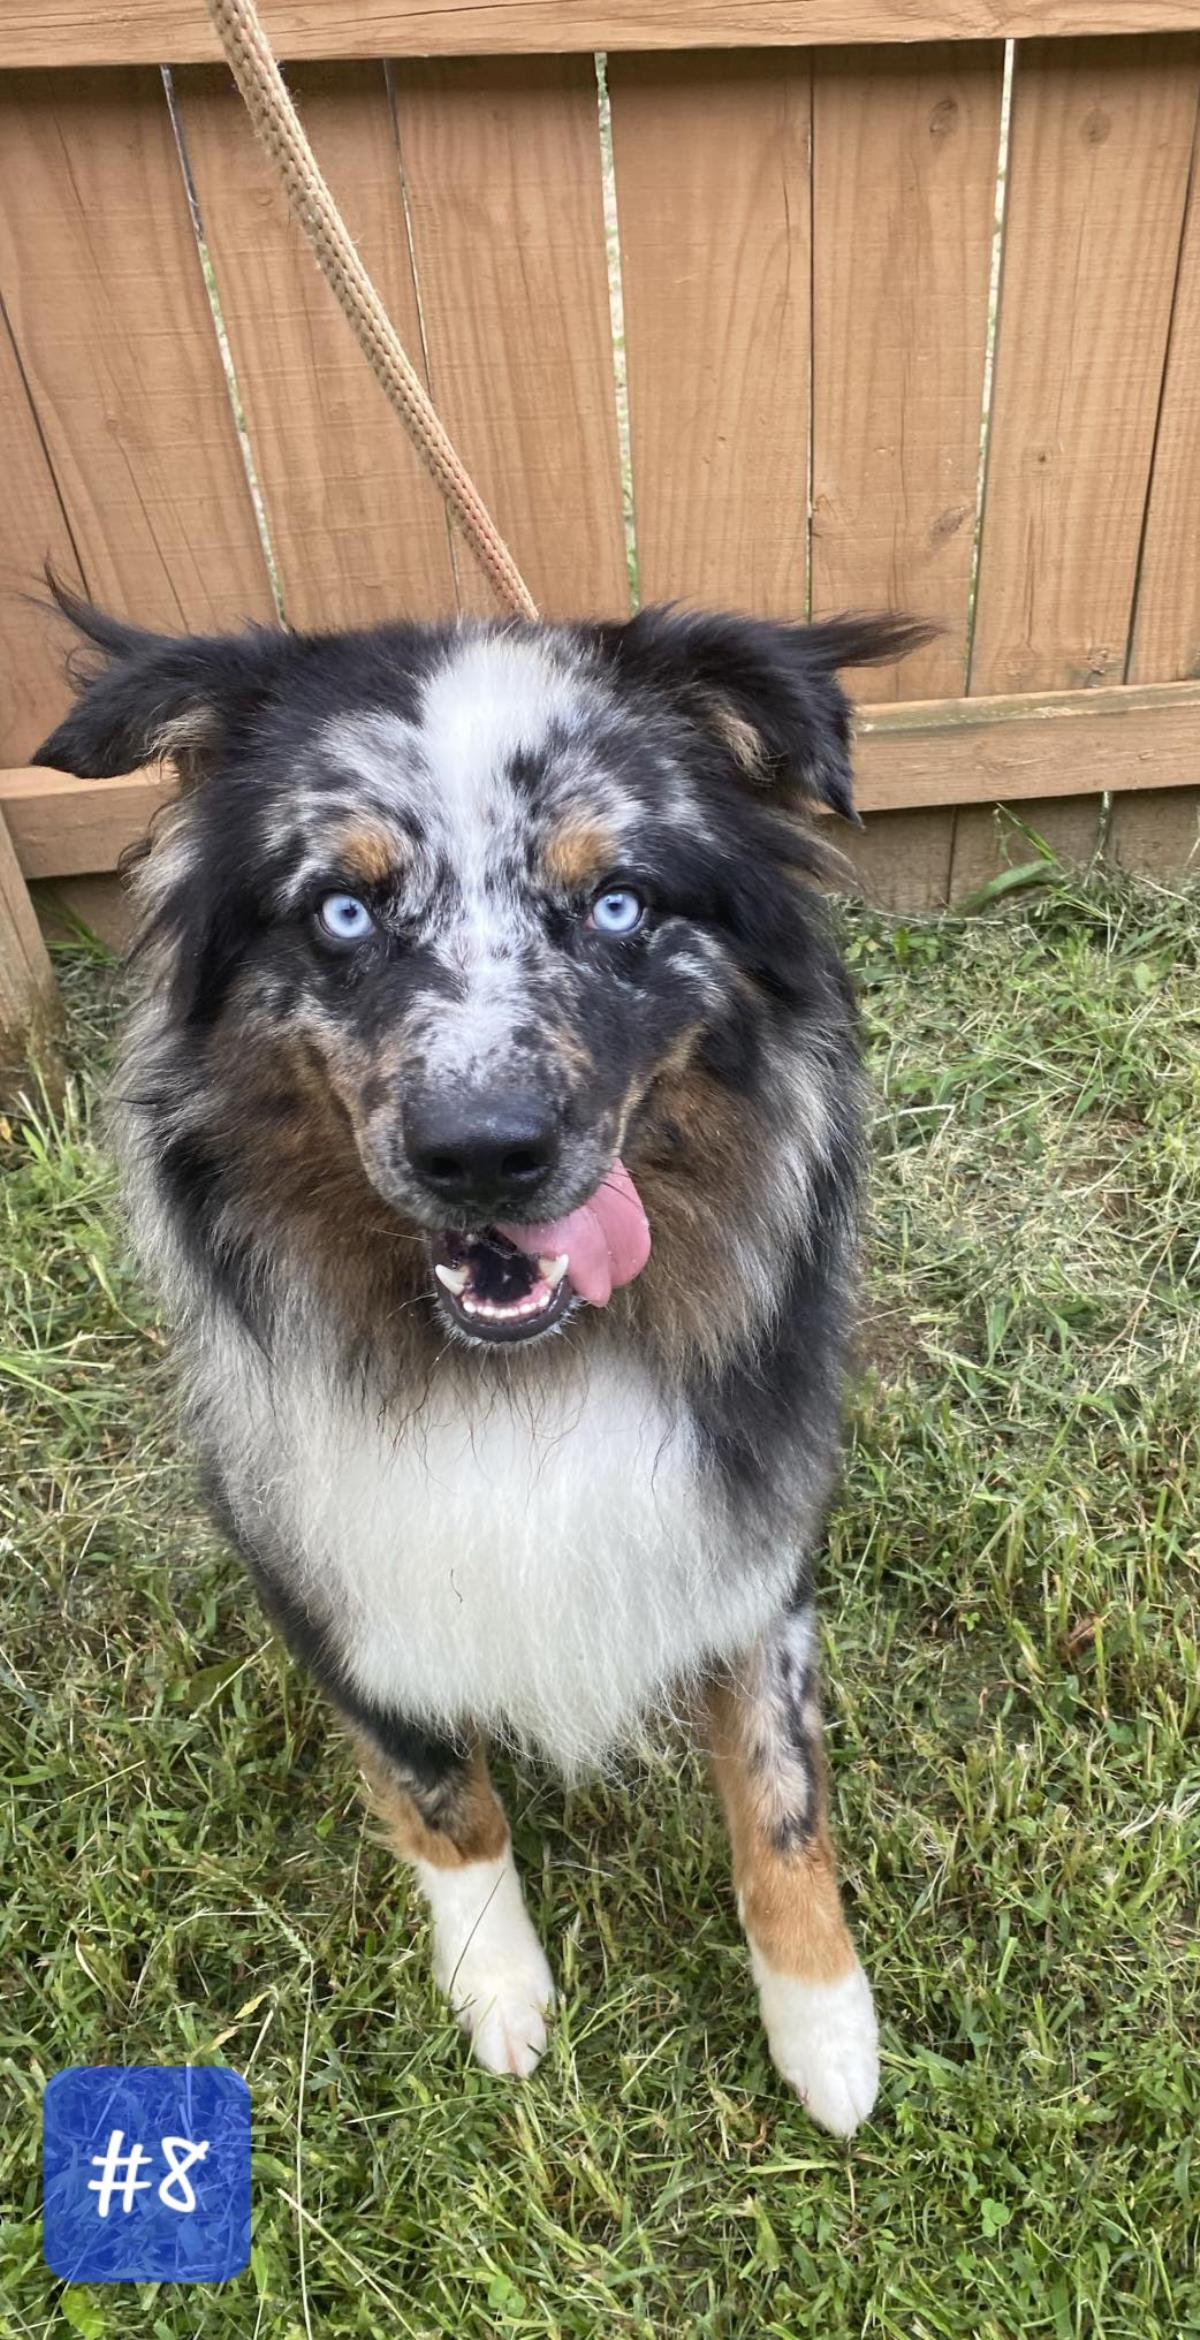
(619, 910)
(344, 918)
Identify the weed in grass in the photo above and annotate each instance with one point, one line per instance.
(1014, 1697)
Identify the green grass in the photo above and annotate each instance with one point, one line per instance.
(1011, 1606)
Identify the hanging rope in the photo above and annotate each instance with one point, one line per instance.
(278, 126)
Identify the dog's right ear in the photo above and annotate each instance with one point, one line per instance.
(150, 696)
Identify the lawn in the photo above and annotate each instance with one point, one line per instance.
(1012, 1613)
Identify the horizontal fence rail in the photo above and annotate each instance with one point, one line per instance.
(151, 32)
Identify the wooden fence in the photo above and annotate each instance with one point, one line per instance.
(911, 317)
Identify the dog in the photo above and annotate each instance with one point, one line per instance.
(490, 1119)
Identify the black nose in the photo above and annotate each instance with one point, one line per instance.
(484, 1152)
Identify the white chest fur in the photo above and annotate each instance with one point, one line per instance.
(550, 1561)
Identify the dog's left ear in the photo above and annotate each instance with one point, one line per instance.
(768, 693)
(145, 696)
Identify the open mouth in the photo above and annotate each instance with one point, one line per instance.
(512, 1282)
(493, 1291)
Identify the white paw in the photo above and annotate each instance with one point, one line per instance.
(824, 2039)
(489, 1962)
(505, 2014)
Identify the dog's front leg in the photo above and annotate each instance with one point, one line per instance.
(765, 1738)
(442, 1814)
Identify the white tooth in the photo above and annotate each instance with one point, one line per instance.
(454, 1279)
(553, 1270)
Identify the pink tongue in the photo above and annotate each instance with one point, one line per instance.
(607, 1241)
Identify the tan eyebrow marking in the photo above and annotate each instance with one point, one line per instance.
(580, 852)
(372, 855)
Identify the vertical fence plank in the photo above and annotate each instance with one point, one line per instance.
(33, 688)
(30, 1010)
(905, 145)
(102, 283)
(711, 157)
(1156, 832)
(1098, 169)
(1166, 642)
(502, 166)
(902, 861)
(989, 838)
(357, 528)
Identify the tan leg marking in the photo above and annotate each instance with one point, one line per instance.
(788, 1899)
(486, 1957)
(473, 1827)
(765, 1739)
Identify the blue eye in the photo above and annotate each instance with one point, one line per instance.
(618, 911)
(344, 918)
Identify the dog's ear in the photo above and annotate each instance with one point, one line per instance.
(768, 693)
(148, 696)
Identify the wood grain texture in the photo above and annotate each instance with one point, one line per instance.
(102, 284)
(502, 168)
(61, 826)
(358, 530)
(957, 751)
(1157, 834)
(905, 147)
(715, 276)
(89, 32)
(29, 1003)
(101, 903)
(987, 841)
(1166, 631)
(33, 683)
(900, 861)
(1098, 170)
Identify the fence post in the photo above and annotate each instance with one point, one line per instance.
(30, 1008)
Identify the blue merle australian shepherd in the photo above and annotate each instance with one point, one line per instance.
(491, 1126)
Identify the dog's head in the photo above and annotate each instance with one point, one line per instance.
(468, 895)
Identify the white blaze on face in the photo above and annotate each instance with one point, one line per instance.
(495, 698)
(492, 699)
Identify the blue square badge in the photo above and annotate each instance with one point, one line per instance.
(146, 2173)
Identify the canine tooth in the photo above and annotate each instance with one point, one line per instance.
(454, 1279)
(553, 1270)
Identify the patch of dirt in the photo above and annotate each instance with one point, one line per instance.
(887, 1342)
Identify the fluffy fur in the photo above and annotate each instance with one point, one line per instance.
(552, 1538)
